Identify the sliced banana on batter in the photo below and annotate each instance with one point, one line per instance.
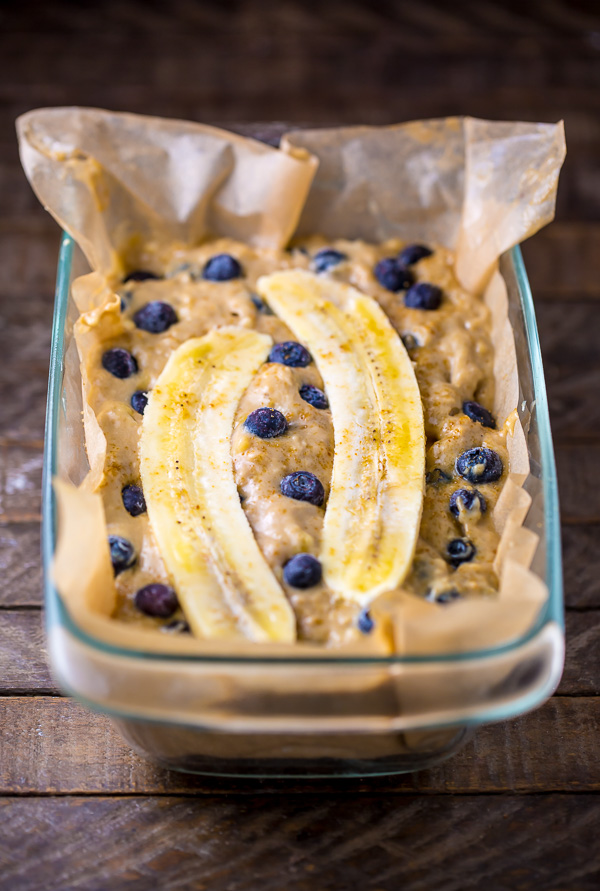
(224, 584)
(374, 509)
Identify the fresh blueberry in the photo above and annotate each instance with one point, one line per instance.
(436, 477)
(155, 317)
(477, 412)
(303, 486)
(266, 423)
(314, 396)
(290, 353)
(412, 253)
(122, 553)
(177, 626)
(459, 550)
(139, 401)
(140, 275)
(261, 305)
(480, 465)
(326, 258)
(133, 500)
(302, 571)
(393, 275)
(123, 305)
(222, 268)
(423, 296)
(443, 597)
(157, 600)
(365, 622)
(119, 362)
(410, 341)
(467, 497)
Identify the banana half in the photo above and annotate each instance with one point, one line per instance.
(374, 509)
(225, 586)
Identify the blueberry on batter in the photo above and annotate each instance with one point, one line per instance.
(290, 353)
(423, 296)
(119, 362)
(261, 305)
(133, 500)
(410, 342)
(139, 401)
(140, 275)
(467, 497)
(222, 268)
(314, 396)
(365, 622)
(480, 465)
(477, 412)
(303, 486)
(266, 423)
(328, 257)
(302, 571)
(436, 477)
(122, 553)
(459, 550)
(412, 253)
(393, 275)
(443, 597)
(155, 317)
(157, 600)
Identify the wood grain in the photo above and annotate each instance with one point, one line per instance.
(581, 559)
(302, 843)
(53, 745)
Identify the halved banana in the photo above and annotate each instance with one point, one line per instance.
(225, 586)
(374, 509)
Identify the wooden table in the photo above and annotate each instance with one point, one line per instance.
(518, 808)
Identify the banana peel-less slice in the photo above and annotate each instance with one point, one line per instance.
(374, 509)
(225, 586)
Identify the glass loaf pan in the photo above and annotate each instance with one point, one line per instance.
(308, 716)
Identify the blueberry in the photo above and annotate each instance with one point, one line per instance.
(313, 396)
(119, 362)
(410, 341)
(468, 498)
(303, 486)
(423, 296)
(412, 253)
(177, 626)
(140, 275)
(459, 550)
(139, 401)
(290, 353)
(393, 275)
(479, 465)
(157, 600)
(326, 258)
(477, 412)
(302, 571)
(436, 477)
(133, 500)
(266, 423)
(365, 622)
(222, 268)
(261, 305)
(155, 317)
(122, 553)
(443, 597)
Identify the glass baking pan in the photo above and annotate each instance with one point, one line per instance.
(295, 716)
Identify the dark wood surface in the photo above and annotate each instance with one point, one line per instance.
(518, 807)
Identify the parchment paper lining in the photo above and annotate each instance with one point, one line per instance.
(112, 180)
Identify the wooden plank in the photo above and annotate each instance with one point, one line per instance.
(577, 467)
(55, 746)
(20, 480)
(302, 843)
(581, 558)
(582, 663)
(20, 567)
